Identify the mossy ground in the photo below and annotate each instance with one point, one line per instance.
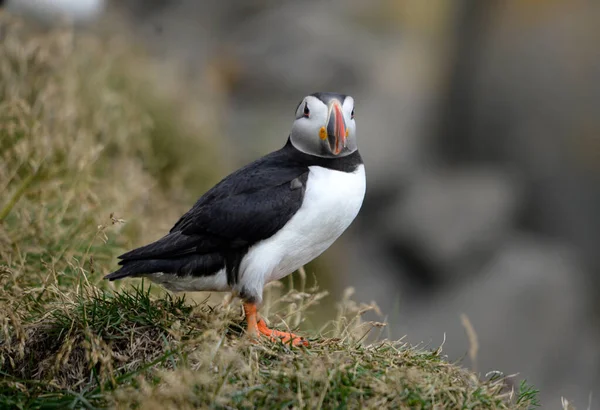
(82, 146)
(97, 348)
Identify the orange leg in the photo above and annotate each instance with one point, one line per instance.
(258, 327)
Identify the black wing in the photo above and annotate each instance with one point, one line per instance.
(251, 205)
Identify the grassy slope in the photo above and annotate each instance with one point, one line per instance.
(76, 145)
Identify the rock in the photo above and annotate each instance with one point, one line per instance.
(530, 315)
(449, 217)
(293, 50)
(361, 263)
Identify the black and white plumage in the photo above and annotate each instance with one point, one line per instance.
(269, 218)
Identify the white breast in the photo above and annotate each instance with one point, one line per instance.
(331, 202)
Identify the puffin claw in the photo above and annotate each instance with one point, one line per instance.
(258, 327)
(277, 335)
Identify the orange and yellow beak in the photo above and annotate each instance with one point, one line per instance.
(336, 131)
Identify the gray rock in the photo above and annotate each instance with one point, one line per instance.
(529, 315)
(295, 49)
(452, 215)
(363, 265)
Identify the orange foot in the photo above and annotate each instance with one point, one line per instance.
(275, 335)
(259, 327)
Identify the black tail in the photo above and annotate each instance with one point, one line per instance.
(197, 265)
(171, 245)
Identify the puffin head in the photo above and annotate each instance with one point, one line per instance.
(324, 125)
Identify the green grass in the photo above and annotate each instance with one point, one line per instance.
(131, 348)
(84, 144)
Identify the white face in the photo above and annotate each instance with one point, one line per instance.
(325, 129)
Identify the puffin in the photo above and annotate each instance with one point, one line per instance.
(53, 11)
(268, 218)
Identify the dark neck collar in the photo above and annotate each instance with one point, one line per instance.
(349, 163)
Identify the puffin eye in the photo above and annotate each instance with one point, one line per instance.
(306, 110)
(352, 114)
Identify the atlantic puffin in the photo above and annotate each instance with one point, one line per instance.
(76, 11)
(267, 219)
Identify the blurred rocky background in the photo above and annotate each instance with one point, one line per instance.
(479, 126)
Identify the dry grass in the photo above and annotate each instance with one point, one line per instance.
(79, 141)
(97, 349)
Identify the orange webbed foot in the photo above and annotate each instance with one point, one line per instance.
(259, 327)
(277, 335)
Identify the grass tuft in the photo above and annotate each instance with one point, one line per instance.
(528, 395)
